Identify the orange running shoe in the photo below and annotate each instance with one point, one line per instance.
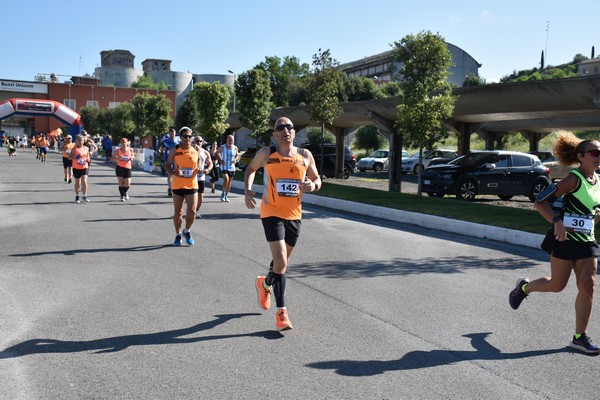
(264, 295)
(282, 321)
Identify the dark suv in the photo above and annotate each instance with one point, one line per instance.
(329, 161)
(502, 173)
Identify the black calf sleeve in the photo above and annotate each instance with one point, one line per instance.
(279, 289)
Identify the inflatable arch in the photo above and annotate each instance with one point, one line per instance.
(38, 107)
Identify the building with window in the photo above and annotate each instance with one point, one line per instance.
(589, 67)
(78, 92)
(379, 66)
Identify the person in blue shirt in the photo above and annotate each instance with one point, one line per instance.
(169, 141)
(228, 156)
(107, 146)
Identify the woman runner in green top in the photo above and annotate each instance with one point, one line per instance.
(571, 242)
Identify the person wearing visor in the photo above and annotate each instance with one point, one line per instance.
(185, 164)
(570, 241)
(289, 171)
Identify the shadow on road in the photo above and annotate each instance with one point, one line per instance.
(427, 359)
(73, 252)
(118, 343)
(402, 266)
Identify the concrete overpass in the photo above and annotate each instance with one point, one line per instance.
(534, 108)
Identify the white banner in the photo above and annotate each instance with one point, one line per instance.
(148, 160)
(29, 87)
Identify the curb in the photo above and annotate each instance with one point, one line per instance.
(428, 221)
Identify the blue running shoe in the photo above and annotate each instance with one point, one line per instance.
(585, 344)
(177, 241)
(517, 295)
(188, 238)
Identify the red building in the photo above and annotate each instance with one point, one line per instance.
(79, 92)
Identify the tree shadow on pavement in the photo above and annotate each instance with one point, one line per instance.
(428, 359)
(118, 343)
(402, 267)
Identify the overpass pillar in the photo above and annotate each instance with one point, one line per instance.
(339, 133)
(386, 126)
(490, 138)
(464, 131)
(534, 139)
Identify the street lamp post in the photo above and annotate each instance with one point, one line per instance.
(231, 72)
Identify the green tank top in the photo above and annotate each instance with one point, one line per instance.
(578, 209)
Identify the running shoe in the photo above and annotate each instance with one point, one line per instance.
(223, 196)
(585, 344)
(170, 193)
(126, 196)
(177, 241)
(123, 198)
(264, 295)
(188, 238)
(198, 215)
(65, 179)
(86, 199)
(226, 199)
(517, 295)
(282, 321)
(70, 180)
(77, 200)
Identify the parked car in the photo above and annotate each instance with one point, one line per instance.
(378, 161)
(502, 173)
(557, 171)
(329, 160)
(412, 164)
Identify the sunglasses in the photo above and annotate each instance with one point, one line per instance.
(281, 127)
(594, 152)
(186, 136)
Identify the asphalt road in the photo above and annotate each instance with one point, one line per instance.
(95, 303)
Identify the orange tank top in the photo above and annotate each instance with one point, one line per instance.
(81, 156)
(124, 158)
(187, 162)
(67, 149)
(282, 177)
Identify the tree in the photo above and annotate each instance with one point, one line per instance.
(89, 118)
(315, 136)
(368, 138)
(360, 88)
(188, 114)
(146, 82)
(473, 80)
(428, 99)
(253, 91)
(326, 83)
(286, 77)
(151, 114)
(212, 101)
(121, 121)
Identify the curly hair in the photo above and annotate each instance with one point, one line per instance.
(567, 146)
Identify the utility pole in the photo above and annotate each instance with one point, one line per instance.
(547, 33)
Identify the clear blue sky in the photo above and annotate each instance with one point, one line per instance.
(66, 37)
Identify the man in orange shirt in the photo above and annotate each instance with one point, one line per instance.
(186, 164)
(291, 171)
